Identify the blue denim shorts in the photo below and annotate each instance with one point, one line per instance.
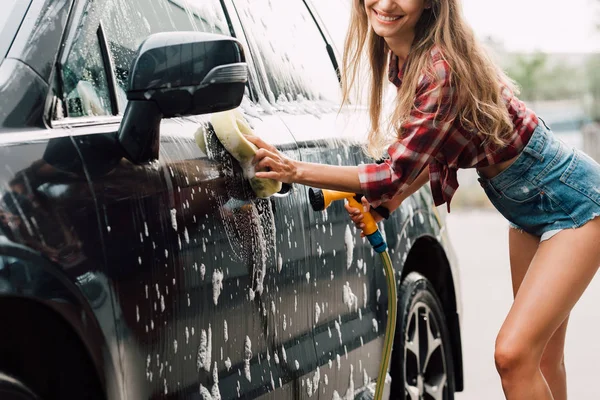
(549, 187)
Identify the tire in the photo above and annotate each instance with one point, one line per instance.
(13, 389)
(421, 369)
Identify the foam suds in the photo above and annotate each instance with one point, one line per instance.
(284, 354)
(217, 281)
(174, 218)
(317, 312)
(205, 350)
(349, 247)
(349, 298)
(339, 330)
(247, 357)
(215, 392)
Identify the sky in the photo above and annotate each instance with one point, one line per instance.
(530, 25)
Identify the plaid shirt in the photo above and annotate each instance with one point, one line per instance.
(433, 136)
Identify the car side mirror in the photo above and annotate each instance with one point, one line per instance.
(179, 74)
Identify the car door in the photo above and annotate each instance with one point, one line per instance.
(298, 76)
(202, 272)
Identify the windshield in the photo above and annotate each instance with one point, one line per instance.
(11, 17)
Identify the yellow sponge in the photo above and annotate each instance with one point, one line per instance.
(230, 128)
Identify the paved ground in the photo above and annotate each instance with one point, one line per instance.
(480, 241)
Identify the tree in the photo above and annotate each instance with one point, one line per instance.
(528, 72)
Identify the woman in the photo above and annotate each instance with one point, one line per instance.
(456, 109)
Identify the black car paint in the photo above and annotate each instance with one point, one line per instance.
(88, 218)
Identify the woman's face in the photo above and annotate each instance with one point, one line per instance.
(395, 19)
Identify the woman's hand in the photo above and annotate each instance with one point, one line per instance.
(357, 216)
(270, 163)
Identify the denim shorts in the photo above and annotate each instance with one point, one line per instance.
(549, 187)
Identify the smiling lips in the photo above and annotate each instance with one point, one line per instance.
(386, 18)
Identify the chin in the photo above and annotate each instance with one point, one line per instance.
(383, 32)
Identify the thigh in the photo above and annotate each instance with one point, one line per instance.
(559, 273)
(522, 247)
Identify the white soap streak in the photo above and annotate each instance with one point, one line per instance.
(349, 298)
(316, 379)
(276, 357)
(228, 363)
(279, 263)
(338, 360)
(174, 218)
(225, 332)
(317, 312)
(375, 325)
(378, 294)
(339, 330)
(202, 271)
(308, 277)
(349, 247)
(309, 387)
(297, 364)
(187, 335)
(350, 392)
(217, 280)
(216, 394)
(175, 346)
(247, 357)
(284, 354)
(205, 350)
(205, 393)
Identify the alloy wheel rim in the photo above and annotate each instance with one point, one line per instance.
(425, 373)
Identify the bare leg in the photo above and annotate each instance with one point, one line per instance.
(559, 273)
(523, 247)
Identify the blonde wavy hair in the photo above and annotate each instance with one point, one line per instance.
(477, 81)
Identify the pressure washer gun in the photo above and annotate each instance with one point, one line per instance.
(320, 200)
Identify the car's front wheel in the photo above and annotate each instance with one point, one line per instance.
(422, 367)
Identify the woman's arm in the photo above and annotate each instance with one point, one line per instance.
(323, 176)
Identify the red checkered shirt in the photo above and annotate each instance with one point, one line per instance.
(433, 136)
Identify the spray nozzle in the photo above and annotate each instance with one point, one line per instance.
(320, 199)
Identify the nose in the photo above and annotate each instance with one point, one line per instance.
(386, 5)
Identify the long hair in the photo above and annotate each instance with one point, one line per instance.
(481, 87)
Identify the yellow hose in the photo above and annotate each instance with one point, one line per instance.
(390, 328)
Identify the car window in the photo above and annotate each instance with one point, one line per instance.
(292, 53)
(128, 22)
(85, 86)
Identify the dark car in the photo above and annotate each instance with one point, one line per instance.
(135, 265)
